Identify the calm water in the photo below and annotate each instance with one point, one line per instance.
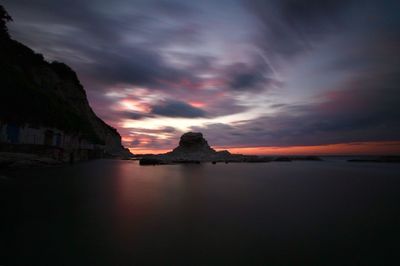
(119, 213)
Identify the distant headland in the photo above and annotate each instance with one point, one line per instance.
(194, 148)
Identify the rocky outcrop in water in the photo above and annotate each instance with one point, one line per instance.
(194, 148)
(193, 142)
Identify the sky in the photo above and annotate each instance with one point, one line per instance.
(257, 76)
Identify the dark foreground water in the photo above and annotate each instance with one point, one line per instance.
(119, 213)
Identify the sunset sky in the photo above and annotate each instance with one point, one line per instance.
(257, 76)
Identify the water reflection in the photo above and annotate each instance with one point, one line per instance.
(117, 212)
(159, 201)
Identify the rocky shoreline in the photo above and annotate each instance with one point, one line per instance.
(15, 160)
(24, 160)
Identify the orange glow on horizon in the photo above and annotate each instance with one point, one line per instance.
(357, 148)
(148, 151)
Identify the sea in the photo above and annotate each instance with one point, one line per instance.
(116, 212)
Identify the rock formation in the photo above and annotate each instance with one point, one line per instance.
(193, 142)
(194, 148)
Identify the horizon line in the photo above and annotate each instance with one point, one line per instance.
(372, 148)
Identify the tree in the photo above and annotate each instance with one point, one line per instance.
(4, 18)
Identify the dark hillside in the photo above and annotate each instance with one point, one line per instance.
(39, 93)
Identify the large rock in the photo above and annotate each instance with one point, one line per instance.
(193, 142)
(193, 148)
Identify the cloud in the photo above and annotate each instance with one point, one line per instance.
(132, 115)
(244, 77)
(161, 138)
(365, 111)
(290, 27)
(173, 108)
(318, 72)
(133, 65)
(168, 130)
(174, 9)
(110, 44)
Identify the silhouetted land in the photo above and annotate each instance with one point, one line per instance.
(377, 159)
(44, 110)
(194, 148)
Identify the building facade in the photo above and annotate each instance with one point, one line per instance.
(48, 142)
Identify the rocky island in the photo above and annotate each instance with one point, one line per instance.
(194, 148)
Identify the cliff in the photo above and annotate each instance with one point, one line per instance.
(47, 94)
